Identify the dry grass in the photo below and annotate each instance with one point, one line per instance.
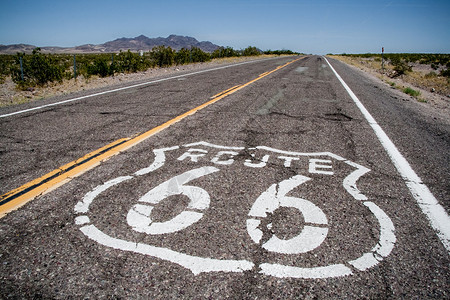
(440, 84)
(422, 77)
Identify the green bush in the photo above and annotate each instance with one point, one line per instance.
(281, 52)
(445, 73)
(162, 56)
(4, 68)
(183, 56)
(101, 67)
(411, 92)
(198, 55)
(224, 52)
(251, 51)
(38, 69)
(400, 65)
(430, 75)
(130, 62)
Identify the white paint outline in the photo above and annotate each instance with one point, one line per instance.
(130, 87)
(198, 265)
(435, 213)
(194, 263)
(275, 197)
(384, 246)
(282, 271)
(139, 216)
(160, 158)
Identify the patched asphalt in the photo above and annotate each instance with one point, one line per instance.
(287, 144)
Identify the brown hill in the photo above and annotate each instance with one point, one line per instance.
(123, 44)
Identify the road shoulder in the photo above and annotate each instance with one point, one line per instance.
(436, 106)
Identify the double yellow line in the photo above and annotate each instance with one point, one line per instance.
(20, 196)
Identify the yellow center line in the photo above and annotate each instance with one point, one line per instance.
(27, 192)
(18, 197)
(223, 92)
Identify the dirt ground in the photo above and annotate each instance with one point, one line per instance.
(434, 90)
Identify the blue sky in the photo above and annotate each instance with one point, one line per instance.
(316, 26)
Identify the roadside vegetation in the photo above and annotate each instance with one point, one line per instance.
(29, 71)
(408, 72)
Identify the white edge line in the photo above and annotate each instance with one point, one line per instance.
(436, 214)
(130, 87)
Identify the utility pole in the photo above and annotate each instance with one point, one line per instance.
(74, 67)
(21, 68)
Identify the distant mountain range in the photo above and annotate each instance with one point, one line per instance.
(123, 44)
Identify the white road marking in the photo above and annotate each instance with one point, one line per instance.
(313, 234)
(436, 214)
(196, 264)
(83, 206)
(160, 158)
(275, 197)
(128, 87)
(282, 271)
(139, 215)
(216, 159)
(350, 181)
(316, 164)
(385, 244)
(259, 164)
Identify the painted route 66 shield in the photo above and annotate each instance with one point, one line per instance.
(215, 208)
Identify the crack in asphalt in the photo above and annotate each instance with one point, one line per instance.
(278, 113)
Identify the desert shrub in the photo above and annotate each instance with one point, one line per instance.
(4, 67)
(431, 75)
(400, 65)
(198, 55)
(130, 62)
(445, 73)
(100, 66)
(251, 51)
(280, 52)
(183, 56)
(163, 56)
(38, 69)
(411, 92)
(194, 54)
(224, 52)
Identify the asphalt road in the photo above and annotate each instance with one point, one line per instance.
(279, 189)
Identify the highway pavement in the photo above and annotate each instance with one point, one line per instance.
(285, 178)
